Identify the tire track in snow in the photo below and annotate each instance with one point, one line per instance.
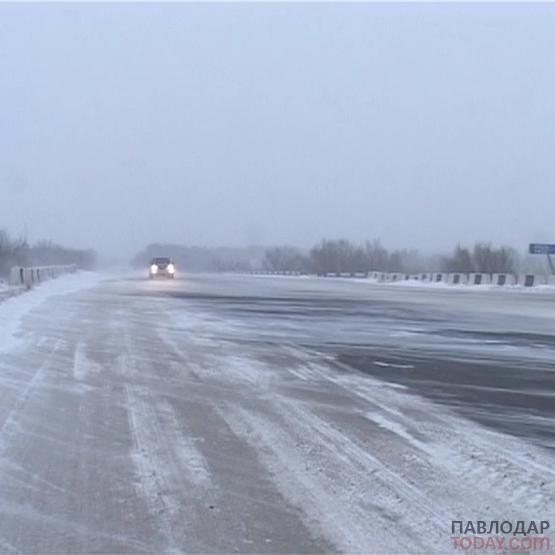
(324, 483)
(168, 464)
(9, 424)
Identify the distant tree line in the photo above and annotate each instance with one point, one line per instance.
(343, 256)
(18, 252)
(332, 256)
(202, 259)
(13, 252)
(483, 257)
(47, 253)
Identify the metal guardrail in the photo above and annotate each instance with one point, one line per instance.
(27, 276)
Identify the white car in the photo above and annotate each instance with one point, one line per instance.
(161, 267)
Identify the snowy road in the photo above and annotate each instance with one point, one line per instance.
(244, 414)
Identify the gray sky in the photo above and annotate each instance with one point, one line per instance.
(422, 124)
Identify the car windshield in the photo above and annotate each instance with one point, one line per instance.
(161, 261)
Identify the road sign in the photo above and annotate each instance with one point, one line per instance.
(541, 248)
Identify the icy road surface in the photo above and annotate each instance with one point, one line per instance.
(244, 414)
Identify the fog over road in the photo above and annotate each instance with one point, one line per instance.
(223, 413)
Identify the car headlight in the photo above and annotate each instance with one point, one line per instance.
(171, 268)
(154, 269)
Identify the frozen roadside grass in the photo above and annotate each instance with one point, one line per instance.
(13, 306)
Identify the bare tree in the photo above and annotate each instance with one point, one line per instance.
(483, 258)
(459, 261)
(13, 252)
(283, 259)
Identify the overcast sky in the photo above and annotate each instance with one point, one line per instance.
(424, 125)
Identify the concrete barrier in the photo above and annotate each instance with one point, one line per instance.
(346, 274)
(531, 280)
(479, 278)
(23, 276)
(277, 273)
(27, 276)
(503, 279)
(457, 278)
(440, 277)
(526, 280)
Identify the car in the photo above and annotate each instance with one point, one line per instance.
(161, 267)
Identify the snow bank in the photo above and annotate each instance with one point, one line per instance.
(13, 309)
(4, 291)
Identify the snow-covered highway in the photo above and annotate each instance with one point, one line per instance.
(221, 413)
